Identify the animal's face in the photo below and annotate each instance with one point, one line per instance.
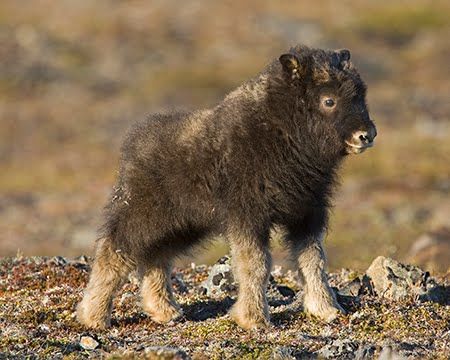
(331, 98)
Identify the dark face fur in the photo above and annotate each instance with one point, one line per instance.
(331, 98)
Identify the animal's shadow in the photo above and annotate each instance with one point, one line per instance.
(291, 305)
(207, 309)
(211, 309)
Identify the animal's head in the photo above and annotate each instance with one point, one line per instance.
(328, 96)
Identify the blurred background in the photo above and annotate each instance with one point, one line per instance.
(74, 74)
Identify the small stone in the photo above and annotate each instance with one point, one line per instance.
(283, 353)
(88, 343)
(351, 288)
(58, 260)
(277, 271)
(387, 353)
(165, 353)
(365, 352)
(80, 260)
(44, 328)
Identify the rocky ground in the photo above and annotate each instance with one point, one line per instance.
(70, 89)
(395, 311)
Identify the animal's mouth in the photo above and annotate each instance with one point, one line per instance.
(357, 148)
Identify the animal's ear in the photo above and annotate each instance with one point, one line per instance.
(343, 57)
(290, 63)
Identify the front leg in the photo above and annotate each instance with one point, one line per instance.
(251, 264)
(319, 299)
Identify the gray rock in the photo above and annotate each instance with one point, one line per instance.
(365, 352)
(351, 288)
(82, 259)
(387, 353)
(220, 280)
(399, 350)
(165, 353)
(395, 280)
(59, 260)
(340, 349)
(283, 353)
(289, 353)
(88, 343)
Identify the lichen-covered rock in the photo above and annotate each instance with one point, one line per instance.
(220, 280)
(394, 280)
(339, 349)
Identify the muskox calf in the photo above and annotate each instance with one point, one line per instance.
(267, 155)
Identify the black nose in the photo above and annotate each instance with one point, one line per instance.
(367, 137)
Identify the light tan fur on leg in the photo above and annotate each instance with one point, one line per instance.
(251, 264)
(108, 273)
(157, 296)
(319, 298)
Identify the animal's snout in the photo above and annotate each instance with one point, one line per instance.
(364, 138)
(361, 140)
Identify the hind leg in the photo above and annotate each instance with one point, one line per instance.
(156, 292)
(108, 273)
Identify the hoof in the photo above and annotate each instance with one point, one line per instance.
(248, 320)
(329, 314)
(92, 319)
(164, 315)
(325, 310)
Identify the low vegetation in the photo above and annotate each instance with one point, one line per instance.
(38, 297)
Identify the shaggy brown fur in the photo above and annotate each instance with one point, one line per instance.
(266, 155)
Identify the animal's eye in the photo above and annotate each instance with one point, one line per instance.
(329, 102)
